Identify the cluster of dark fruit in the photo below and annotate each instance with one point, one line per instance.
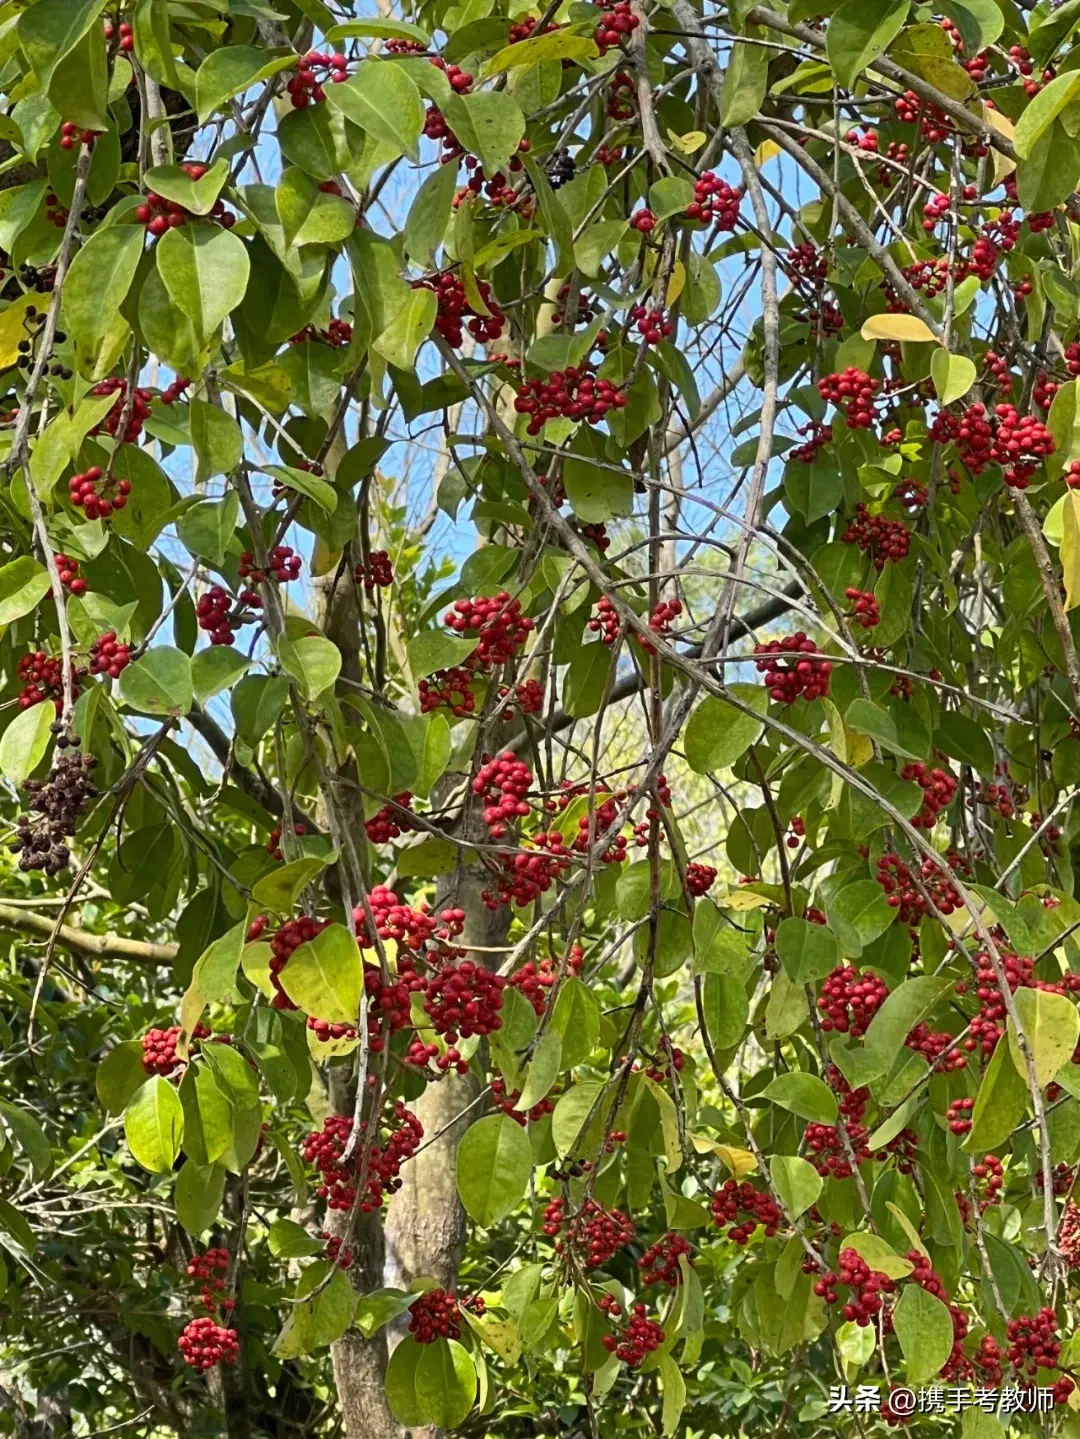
(35, 322)
(60, 800)
(377, 572)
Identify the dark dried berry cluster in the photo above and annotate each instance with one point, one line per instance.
(59, 800)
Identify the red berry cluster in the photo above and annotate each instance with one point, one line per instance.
(606, 622)
(883, 539)
(640, 1337)
(938, 787)
(660, 622)
(733, 1200)
(498, 624)
(1017, 443)
(108, 656)
(283, 564)
(700, 878)
(852, 391)
(209, 1265)
(435, 1315)
(795, 668)
(342, 1258)
(84, 494)
(896, 880)
(324, 1031)
(522, 878)
(864, 607)
(68, 570)
(378, 571)
(533, 980)
(854, 1273)
(529, 697)
(651, 324)
(958, 1115)
(451, 689)
(315, 70)
(599, 1233)
(1033, 1342)
(660, 1262)
(325, 1148)
(574, 393)
(715, 199)
(140, 407)
(391, 821)
(464, 999)
(617, 25)
(507, 1103)
(454, 306)
(159, 1048)
(829, 1155)
(849, 1000)
(292, 934)
(643, 221)
(991, 1177)
(204, 1344)
(502, 782)
(988, 1025)
(126, 35)
(1068, 1235)
(43, 678)
(938, 1048)
(214, 613)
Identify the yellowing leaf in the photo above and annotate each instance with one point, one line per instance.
(742, 899)
(1004, 126)
(738, 1161)
(12, 329)
(688, 143)
(677, 282)
(860, 748)
(907, 328)
(765, 152)
(1070, 549)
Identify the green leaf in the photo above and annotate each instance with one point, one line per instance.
(314, 662)
(51, 29)
(727, 1008)
(901, 1012)
(924, 1328)
(200, 1188)
(858, 914)
(796, 1181)
(804, 1095)
(289, 1240)
(119, 1075)
(385, 103)
(325, 977)
(206, 528)
(23, 585)
(446, 1381)
(24, 742)
(305, 483)
(493, 1167)
(198, 197)
(586, 679)
(280, 889)
(218, 440)
(674, 1395)
(718, 734)
(215, 969)
(878, 1254)
(999, 1104)
(670, 196)
(154, 1125)
(400, 1379)
(1049, 175)
(489, 124)
(807, 951)
(235, 1077)
(256, 703)
(745, 84)
(97, 284)
(537, 50)
(436, 650)
(556, 220)
(160, 683)
(815, 488)
(576, 1020)
(409, 328)
(429, 215)
(1052, 1026)
(205, 270)
(1042, 110)
(29, 1136)
(719, 947)
(310, 215)
(543, 1070)
(230, 71)
(953, 375)
(216, 668)
(964, 740)
(13, 1223)
(858, 33)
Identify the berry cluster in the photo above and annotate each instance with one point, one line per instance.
(1068, 1235)
(938, 1048)
(795, 668)
(204, 1344)
(991, 1177)
(214, 613)
(508, 1102)
(640, 1337)
(396, 921)
(315, 70)
(338, 1256)
(1033, 1342)
(660, 1262)
(377, 572)
(574, 394)
(498, 624)
(292, 934)
(464, 999)
(715, 199)
(533, 980)
(126, 35)
(451, 689)
(643, 221)
(896, 880)
(391, 821)
(97, 504)
(854, 1273)
(139, 406)
(42, 677)
(700, 878)
(733, 1200)
(159, 1048)
(987, 1027)
(60, 800)
(109, 656)
(850, 999)
(598, 1233)
(325, 1031)
(938, 787)
(454, 306)
(660, 621)
(958, 1115)
(618, 24)
(852, 391)
(651, 325)
(1017, 443)
(435, 1315)
(830, 1156)
(529, 697)
(273, 844)
(325, 1148)
(864, 607)
(283, 564)
(522, 878)
(883, 539)
(502, 782)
